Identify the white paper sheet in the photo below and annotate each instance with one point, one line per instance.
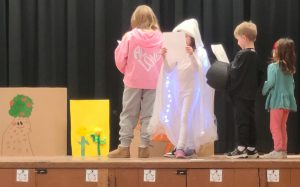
(175, 44)
(220, 53)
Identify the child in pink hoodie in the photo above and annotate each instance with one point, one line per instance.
(138, 58)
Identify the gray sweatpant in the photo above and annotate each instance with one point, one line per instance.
(137, 103)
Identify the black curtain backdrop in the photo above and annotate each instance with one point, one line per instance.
(70, 43)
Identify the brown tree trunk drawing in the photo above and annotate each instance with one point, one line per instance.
(15, 139)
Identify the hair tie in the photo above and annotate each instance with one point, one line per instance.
(275, 46)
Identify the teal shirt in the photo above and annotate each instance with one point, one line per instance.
(280, 89)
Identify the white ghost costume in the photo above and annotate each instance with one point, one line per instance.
(184, 103)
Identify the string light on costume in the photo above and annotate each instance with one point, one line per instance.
(166, 119)
(167, 83)
(166, 113)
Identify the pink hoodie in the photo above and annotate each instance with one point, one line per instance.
(138, 58)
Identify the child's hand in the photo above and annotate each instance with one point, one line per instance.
(189, 50)
(163, 52)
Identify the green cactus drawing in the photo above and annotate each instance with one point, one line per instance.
(82, 143)
(96, 138)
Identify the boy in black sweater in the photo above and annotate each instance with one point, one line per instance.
(244, 80)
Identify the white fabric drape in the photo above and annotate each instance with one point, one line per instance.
(166, 115)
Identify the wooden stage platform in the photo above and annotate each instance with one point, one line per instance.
(214, 171)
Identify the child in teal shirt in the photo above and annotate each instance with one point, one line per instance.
(279, 89)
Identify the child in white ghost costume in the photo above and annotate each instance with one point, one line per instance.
(184, 103)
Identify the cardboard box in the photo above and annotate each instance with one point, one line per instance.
(33, 121)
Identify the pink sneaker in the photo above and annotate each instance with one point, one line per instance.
(180, 154)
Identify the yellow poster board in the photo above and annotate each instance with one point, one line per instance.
(89, 127)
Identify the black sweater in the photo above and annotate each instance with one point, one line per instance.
(245, 74)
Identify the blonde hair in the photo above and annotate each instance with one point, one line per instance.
(246, 28)
(143, 17)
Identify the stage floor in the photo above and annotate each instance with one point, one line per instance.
(213, 171)
(216, 161)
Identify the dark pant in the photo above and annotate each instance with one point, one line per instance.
(243, 110)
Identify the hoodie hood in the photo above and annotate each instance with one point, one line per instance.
(147, 39)
(191, 28)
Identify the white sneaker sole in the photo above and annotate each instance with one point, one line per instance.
(254, 156)
(237, 156)
(169, 155)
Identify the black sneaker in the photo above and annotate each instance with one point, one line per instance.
(237, 154)
(170, 154)
(252, 154)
